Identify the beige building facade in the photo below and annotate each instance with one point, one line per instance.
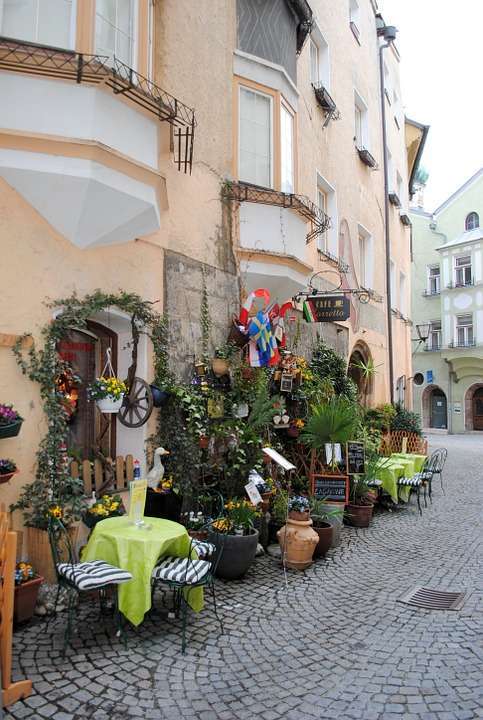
(109, 179)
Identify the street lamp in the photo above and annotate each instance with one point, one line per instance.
(423, 331)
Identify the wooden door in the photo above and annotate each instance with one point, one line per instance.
(478, 409)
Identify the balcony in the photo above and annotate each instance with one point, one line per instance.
(464, 344)
(456, 285)
(431, 293)
(274, 229)
(366, 157)
(88, 159)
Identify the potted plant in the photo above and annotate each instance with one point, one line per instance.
(108, 392)
(321, 517)
(27, 585)
(332, 422)
(107, 506)
(195, 522)
(360, 507)
(220, 364)
(10, 421)
(238, 547)
(296, 538)
(7, 470)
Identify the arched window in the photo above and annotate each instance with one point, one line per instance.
(472, 221)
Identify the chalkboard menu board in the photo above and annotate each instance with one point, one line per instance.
(355, 458)
(333, 488)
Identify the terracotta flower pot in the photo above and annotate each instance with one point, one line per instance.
(198, 534)
(203, 441)
(359, 515)
(297, 541)
(6, 477)
(25, 599)
(220, 366)
(300, 516)
(325, 532)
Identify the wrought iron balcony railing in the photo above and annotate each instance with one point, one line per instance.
(465, 344)
(431, 293)
(326, 102)
(454, 285)
(432, 348)
(43, 61)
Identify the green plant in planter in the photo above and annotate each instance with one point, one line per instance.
(319, 512)
(279, 506)
(334, 422)
(406, 420)
(360, 484)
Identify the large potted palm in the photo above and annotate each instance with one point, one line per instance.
(334, 421)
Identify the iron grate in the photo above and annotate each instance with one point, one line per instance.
(433, 599)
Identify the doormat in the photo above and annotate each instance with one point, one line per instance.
(433, 599)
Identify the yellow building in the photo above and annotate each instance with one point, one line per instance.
(109, 179)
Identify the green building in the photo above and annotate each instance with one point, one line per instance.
(447, 310)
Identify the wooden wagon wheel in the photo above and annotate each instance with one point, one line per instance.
(138, 404)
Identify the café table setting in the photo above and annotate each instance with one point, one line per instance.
(398, 465)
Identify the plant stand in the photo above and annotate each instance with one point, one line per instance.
(11, 692)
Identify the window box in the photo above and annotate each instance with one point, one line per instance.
(394, 199)
(405, 219)
(355, 31)
(324, 98)
(366, 157)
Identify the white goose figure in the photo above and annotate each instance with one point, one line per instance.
(156, 474)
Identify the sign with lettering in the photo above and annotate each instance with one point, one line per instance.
(355, 457)
(333, 488)
(326, 308)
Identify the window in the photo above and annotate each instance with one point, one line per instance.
(115, 29)
(402, 293)
(392, 282)
(399, 187)
(314, 62)
(360, 118)
(365, 258)
(322, 205)
(434, 280)
(464, 330)
(354, 19)
(390, 171)
(463, 271)
(434, 337)
(255, 133)
(47, 22)
(472, 221)
(286, 150)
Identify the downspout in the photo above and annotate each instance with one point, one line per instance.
(386, 227)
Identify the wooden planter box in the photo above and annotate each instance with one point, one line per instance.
(25, 599)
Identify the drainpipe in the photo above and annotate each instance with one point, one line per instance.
(389, 34)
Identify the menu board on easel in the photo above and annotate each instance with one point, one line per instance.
(356, 459)
(331, 488)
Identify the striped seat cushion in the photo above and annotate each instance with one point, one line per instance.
(411, 481)
(181, 570)
(93, 575)
(203, 549)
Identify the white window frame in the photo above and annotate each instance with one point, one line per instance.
(430, 277)
(468, 329)
(72, 29)
(318, 41)
(329, 240)
(133, 63)
(361, 106)
(355, 18)
(285, 108)
(366, 257)
(472, 214)
(435, 332)
(242, 87)
(463, 269)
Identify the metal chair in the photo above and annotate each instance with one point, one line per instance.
(421, 479)
(439, 465)
(77, 577)
(184, 574)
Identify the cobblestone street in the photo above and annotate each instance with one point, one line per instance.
(336, 644)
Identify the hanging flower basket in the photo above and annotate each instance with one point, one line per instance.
(7, 470)
(110, 405)
(107, 390)
(160, 397)
(10, 421)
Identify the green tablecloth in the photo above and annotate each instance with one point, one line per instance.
(136, 549)
(396, 466)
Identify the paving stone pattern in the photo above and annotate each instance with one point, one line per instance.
(336, 644)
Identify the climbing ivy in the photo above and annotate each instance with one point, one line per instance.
(53, 485)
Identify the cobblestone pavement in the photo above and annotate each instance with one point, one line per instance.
(337, 644)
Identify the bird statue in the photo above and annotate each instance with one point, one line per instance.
(156, 474)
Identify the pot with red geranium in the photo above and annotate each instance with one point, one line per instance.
(10, 421)
(235, 538)
(27, 585)
(7, 470)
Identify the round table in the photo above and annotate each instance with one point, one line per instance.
(137, 549)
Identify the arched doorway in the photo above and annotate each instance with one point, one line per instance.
(359, 370)
(435, 408)
(474, 407)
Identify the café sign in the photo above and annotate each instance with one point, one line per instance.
(326, 308)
